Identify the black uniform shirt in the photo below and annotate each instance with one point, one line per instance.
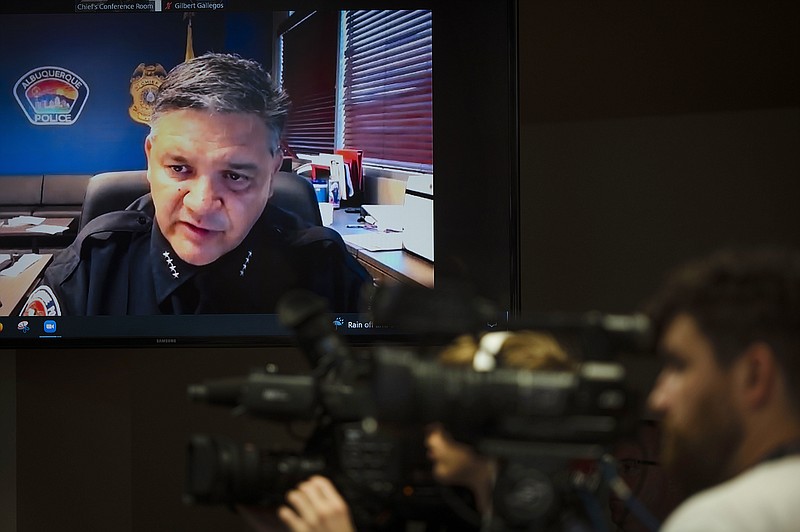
(121, 264)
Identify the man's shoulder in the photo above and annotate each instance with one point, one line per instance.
(137, 218)
(103, 227)
(318, 258)
(761, 499)
(296, 231)
(108, 230)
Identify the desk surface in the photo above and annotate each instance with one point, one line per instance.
(19, 236)
(397, 264)
(14, 289)
(22, 230)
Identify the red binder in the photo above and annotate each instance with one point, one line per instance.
(354, 159)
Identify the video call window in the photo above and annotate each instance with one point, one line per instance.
(358, 80)
(361, 82)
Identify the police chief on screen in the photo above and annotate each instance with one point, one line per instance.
(206, 239)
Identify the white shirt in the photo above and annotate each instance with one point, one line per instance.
(765, 498)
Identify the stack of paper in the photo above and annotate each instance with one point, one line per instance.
(24, 262)
(376, 241)
(25, 220)
(46, 229)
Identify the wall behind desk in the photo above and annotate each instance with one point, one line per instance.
(103, 49)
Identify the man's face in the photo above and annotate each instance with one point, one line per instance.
(210, 176)
(702, 427)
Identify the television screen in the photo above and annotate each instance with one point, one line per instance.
(131, 217)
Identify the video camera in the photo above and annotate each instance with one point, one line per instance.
(380, 471)
(370, 410)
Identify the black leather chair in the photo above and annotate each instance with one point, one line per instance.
(114, 191)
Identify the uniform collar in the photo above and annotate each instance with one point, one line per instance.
(169, 270)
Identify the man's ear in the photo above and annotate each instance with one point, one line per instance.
(758, 374)
(148, 146)
(277, 162)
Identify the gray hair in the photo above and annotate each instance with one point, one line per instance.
(224, 83)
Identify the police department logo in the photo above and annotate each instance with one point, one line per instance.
(42, 302)
(145, 81)
(51, 96)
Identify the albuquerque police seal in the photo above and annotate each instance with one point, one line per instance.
(51, 96)
(42, 302)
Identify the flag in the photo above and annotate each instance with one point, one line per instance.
(189, 48)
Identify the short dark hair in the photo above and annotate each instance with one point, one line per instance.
(224, 83)
(738, 297)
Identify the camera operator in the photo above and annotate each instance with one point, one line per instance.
(316, 505)
(729, 392)
(456, 463)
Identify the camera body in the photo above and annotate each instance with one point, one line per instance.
(381, 471)
(370, 469)
(370, 409)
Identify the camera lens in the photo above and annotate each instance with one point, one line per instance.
(218, 470)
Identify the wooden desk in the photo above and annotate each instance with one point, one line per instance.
(14, 290)
(32, 237)
(392, 266)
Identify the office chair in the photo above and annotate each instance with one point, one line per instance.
(114, 191)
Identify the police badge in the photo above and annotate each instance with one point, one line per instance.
(145, 81)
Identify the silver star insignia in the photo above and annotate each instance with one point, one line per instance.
(246, 261)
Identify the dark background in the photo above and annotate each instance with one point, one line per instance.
(649, 133)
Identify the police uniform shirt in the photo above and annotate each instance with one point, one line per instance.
(121, 264)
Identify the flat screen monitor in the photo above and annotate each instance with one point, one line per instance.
(402, 125)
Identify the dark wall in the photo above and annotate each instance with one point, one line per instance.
(101, 435)
(103, 49)
(650, 132)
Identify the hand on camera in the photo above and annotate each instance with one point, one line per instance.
(316, 506)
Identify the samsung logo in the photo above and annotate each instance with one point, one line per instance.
(166, 340)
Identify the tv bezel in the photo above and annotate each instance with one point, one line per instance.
(464, 66)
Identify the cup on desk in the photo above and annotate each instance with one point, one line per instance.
(326, 211)
(320, 189)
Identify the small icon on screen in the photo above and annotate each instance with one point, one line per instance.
(23, 326)
(50, 326)
(1, 327)
(338, 322)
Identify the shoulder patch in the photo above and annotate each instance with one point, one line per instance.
(42, 302)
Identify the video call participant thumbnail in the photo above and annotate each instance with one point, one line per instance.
(206, 239)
